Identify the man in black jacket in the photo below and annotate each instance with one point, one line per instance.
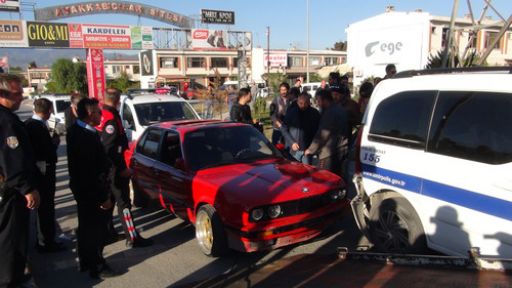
(17, 184)
(299, 127)
(89, 171)
(115, 143)
(70, 113)
(45, 153)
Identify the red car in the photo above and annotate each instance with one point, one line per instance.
(233, 185)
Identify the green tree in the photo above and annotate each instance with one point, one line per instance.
(314, 77)
(274, 80)
(123, 83)
(340, 46)
(67, 77)
(436, 60)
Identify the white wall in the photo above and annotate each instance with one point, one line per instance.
(399, 38)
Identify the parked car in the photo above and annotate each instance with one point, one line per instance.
(434, 163)
(143, 107)
(60, 102)
(233, 185)
(311, 87)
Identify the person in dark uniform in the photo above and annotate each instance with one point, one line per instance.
(17, 185)
(241, 111)
(45, 153)
(89, 172)
(70, 112)
(115, 144)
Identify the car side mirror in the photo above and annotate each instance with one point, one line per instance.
(127, 125)
(180, 164)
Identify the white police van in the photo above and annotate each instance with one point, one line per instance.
(435, 163)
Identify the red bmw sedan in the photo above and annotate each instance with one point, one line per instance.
(234, 186)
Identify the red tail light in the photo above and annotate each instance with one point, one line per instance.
(359, 168)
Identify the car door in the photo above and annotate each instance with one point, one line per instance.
(175, 183)
(146, 176)
(469, 184)
(128, 122)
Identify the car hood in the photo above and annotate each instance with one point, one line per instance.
(264, 182)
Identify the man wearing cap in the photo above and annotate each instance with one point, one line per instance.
(17, 185)
(115, 143)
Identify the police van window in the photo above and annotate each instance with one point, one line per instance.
(128, 116)
(403, 119)
(474, 126)
(151, 143)
(171, 149)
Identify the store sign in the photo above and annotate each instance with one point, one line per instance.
(102, 7)
(13, 34)
(48, 35)
(106, 36)
(142, 37)
(76, 38)
(203, 39)
(96, 74)
(217, 17)
(146, 63)
(276, 59)
(10, 5)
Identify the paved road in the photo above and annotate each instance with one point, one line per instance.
(175, 260)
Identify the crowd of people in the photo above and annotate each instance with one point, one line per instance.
(321, 136)
(99, 180)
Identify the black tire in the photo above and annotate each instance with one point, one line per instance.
(395, 227)
(140, 199)
(218, 246)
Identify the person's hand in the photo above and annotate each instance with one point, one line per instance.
(307, 152)
(126, 173)
(295, 147)
(33, 199)
(278, 124)
(106, 205)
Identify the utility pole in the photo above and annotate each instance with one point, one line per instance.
(449, 42)
(268, 54)
(307, 40)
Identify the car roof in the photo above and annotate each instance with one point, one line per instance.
(192, 125)
(56, 97)
(152, 98)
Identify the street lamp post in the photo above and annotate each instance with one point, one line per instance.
(307, 40)
(268, 54)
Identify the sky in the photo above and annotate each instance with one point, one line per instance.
(286, 18)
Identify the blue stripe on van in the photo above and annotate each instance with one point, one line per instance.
(468, 199)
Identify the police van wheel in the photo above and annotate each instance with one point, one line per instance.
(210, 232)
(394, 227)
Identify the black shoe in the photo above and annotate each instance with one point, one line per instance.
(50, 248)
(104, 272)
(139, 242)
(113, 238)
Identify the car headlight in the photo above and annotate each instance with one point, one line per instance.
(274, 211)
(338, 194)
(257, 214)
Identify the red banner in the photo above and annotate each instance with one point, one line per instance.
(96, 74)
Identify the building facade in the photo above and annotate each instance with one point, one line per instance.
(115, 68)
(408, 39)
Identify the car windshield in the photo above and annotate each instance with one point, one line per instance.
(151, 113)
(217, 146)
(62, 105)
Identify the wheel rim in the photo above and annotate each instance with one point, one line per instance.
(204, 231)
(392, 232)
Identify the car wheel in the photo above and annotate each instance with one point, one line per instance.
(140, 199)
(394, 227)
(210, 232)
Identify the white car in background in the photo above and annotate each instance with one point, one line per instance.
(60, 102)
(311, 87)
(144, 107)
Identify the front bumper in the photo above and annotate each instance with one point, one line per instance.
(286, 231)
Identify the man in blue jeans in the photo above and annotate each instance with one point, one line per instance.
(278, 109)
(299, 127)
